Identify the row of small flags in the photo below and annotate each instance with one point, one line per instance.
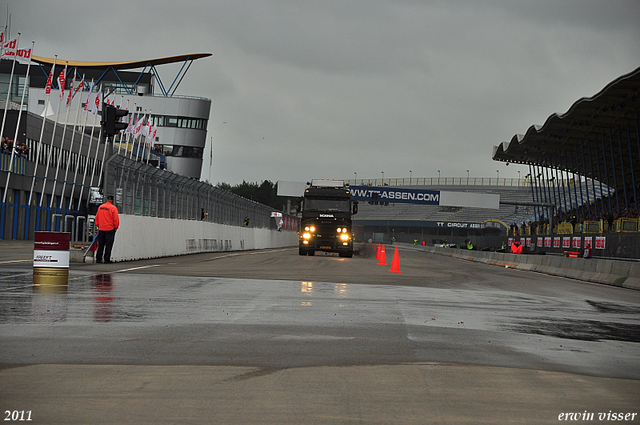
(139, 124)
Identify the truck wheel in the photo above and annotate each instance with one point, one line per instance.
(302, 251)
(311, 253)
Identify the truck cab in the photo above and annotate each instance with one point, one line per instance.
(326, 223)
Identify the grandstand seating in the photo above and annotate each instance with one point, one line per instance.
(507, 214)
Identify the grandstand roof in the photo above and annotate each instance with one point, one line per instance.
(599, 131)
(124, 64)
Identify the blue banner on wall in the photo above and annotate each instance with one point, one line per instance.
(395, 194)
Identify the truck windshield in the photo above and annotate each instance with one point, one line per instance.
(337, 205)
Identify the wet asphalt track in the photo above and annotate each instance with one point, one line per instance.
(298, 325)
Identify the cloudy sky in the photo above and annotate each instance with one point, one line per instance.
(305, 89)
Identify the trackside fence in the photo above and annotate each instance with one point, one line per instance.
(143, 190)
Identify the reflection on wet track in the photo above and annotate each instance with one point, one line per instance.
(155, 319)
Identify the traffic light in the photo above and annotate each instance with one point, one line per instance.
(111, 123)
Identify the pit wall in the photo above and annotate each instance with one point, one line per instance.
(150, 237)
(625, 274)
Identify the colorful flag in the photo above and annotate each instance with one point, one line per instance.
(9, 49)
(138, 128)
(148, 127)
(70, 95)
(80, 86)
(129, 129)
(90, 87)
(62, 81)
(95, 107)
(47, 90)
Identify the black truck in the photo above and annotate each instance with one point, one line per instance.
(326, 218)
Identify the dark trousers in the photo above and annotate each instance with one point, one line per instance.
(105, 244)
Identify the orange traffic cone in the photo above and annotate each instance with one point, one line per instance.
(383, 257)
(395, 264)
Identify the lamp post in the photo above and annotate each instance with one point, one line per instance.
(410, 176)
(467, 177)
(355, 181)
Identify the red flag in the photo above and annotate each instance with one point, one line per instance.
(70, 96)
(9, 49)
(47, 90)
(62, 81)
(80, 87)
(138, 128)
(96, 103)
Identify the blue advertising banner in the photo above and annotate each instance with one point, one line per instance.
(395, 194)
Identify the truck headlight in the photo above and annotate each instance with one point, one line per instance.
(344, 237)
(306, 236)
(310, 229)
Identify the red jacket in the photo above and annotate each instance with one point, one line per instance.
(516, 248)
(107, 217)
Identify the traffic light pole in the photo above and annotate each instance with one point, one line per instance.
(110, 127)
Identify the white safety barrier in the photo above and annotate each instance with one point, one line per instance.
(150, 237)
(598, 270)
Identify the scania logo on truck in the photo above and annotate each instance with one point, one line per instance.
(326, 216)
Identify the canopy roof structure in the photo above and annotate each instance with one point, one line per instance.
(123, 64)
(143, 64)
(598, 137)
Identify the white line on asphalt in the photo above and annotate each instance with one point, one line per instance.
(135, 268)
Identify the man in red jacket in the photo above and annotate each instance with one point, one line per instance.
(107, 222)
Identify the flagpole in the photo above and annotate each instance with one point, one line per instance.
(46, 170)
(126, 131)
(132, 128)
(148, 138)
(6, 103)
(120, 132)
(210, 157)
(130, 135)
(73, 136)
(95, 157)
(64, 133)
(40, 141)
(15, 137)
(104, 155)
(84, 126)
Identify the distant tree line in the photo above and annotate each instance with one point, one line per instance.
(264, 193)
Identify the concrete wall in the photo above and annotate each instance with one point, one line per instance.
(621, 273)
(150, 237)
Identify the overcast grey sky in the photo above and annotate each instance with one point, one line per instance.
(307, 89)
